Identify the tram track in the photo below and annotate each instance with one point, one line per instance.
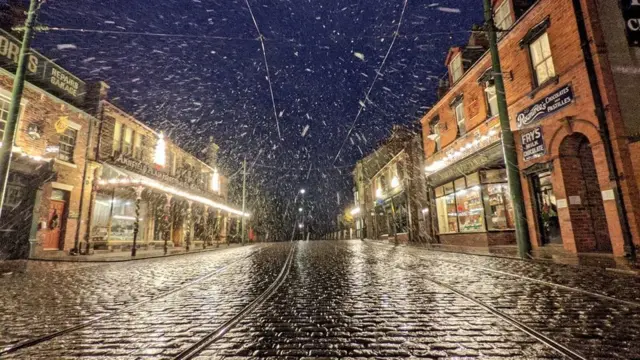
(215, 335)
(527, 278)
(127, 308)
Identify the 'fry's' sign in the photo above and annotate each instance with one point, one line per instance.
(631, 14)
(545, 107)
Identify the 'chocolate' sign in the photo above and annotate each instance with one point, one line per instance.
(545, 107)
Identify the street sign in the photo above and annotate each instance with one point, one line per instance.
(532, 144)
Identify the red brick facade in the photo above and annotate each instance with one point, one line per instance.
(574, 150)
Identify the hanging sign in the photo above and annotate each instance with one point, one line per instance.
(62, 124)
(545, 107)
(532, 144)
(631, 15)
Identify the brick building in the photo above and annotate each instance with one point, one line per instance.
(575, 118)
(389, 190)
(42, 209)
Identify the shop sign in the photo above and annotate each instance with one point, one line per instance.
(545, 107)
(144, 169)
(466, 166)
(41, 70)
(631, 15)
(532, 144)
(62, 124)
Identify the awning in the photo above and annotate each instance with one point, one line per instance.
(486, 157)
(128, 178)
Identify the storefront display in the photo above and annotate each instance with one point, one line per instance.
(478, 202)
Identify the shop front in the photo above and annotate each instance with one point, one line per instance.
(472, 202)
(130, 209)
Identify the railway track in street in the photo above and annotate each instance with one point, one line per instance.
(215, 335)
(128, 308)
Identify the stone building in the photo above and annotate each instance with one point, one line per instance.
(574, 113)
(389, 190)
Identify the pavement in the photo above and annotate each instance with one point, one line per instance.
(340, 299)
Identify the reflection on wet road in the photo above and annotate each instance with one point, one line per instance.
(349, 299)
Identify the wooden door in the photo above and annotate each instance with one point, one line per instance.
(55, 225)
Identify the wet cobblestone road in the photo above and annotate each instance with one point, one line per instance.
(348, 299)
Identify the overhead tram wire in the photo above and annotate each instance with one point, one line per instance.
(366, 98)
(266, 65)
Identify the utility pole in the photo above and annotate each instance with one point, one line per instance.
(508, 144)
(16, 97)
(244, 196)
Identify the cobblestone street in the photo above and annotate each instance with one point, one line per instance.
(328, 299)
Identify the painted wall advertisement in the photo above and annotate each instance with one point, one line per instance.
(545, 107)
(631, 15)
(532, 144)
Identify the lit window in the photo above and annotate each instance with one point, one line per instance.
(541, 59)
(67, 145)
(434, 131)
(502, 17)
(492, 99)
(127, 140)
(137, 146)
(458, 108)
(117, 136)
(456, 68)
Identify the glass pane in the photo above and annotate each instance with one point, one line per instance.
(536, 52)
(447, 216)
(470, 210)
(550, 68)
(498, 207)
(544, 44)
(541, 73)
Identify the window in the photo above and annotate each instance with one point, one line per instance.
(456, 68)
(502, 17)
(137, 146)
(67, 144)
(14, 195)
(470, 210)
(4, 115)
(117, 136)
(434, 131)
(541, 59)
(458, 108)
(498, 207)
(127, 140)
(492, 99)
(462, 210)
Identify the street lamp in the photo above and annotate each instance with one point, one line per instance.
(300, 226)
(299, 209)
(302, 191)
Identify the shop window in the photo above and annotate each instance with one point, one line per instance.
(4, 114)
(470, 210)
(120, 206)
(67, 145)
(117, 137)
(447, 214)
(541, 59)
(502, 17)
(492, 99)
(15, 194)
(455, 67)
(458, 109)
(498, 207)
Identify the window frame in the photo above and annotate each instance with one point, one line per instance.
(462, 129)
(434, 129)
(3, 111)
(64, 155)
(127, 147)
(116, 144)
(487, 97)
(452, 68)
(544, 61)
(508, 17)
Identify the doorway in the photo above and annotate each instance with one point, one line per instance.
(546, 208)
(584, 197)
(56, 220)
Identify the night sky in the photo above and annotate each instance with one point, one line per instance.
(208, 78)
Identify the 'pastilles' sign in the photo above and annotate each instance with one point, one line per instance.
(545, 107)
(532, 144)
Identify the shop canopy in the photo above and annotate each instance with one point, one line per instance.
(126, 178)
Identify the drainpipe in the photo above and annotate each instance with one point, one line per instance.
(629, 248)
(76, 246)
